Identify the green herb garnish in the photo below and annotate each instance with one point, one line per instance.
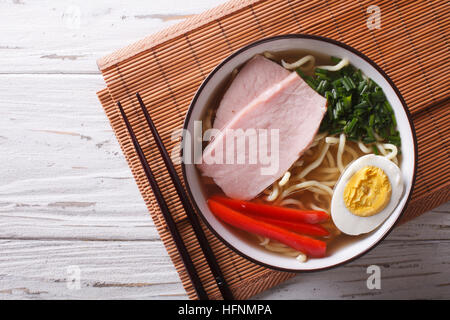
(357, 106)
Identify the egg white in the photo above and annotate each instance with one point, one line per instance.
(352, 224)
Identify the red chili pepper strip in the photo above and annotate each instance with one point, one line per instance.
(309, 246)
(274, 212)
(298, 227)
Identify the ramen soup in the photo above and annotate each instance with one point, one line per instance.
(343, 180)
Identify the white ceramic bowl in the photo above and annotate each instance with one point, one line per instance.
(338, 255)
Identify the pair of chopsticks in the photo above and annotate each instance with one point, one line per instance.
(191, 215)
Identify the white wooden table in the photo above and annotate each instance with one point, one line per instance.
(68, 202)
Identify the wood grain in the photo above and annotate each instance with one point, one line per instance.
(67, 197)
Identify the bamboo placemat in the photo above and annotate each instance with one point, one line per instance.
(412, 46)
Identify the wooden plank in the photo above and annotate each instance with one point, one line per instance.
(40, 269)
(64, 169)
(67, 197)
(50, 36)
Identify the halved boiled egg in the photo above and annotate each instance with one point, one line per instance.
(366, 194)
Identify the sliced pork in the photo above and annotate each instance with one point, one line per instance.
(256, 75)
(289, 107)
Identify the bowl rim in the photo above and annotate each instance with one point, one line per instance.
(346, 47)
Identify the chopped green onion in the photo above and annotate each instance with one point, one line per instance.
(375, 149)
(347, 101)
(335, 60)
(300, 73)
(322, 71)
(378, 96)
(362, 105)
(311, 83)
(346, 84)
(350, 125)
(322, 86)
(371, 120)
(356, 105)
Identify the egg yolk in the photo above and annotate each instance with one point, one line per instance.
(367, 192)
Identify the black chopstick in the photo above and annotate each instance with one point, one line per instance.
(185, 257)
(190, 212)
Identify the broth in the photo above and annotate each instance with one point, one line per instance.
(306, 198)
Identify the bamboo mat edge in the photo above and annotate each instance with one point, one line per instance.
(427, 195)
(171, 32)
(249, 287)
(267, 279)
